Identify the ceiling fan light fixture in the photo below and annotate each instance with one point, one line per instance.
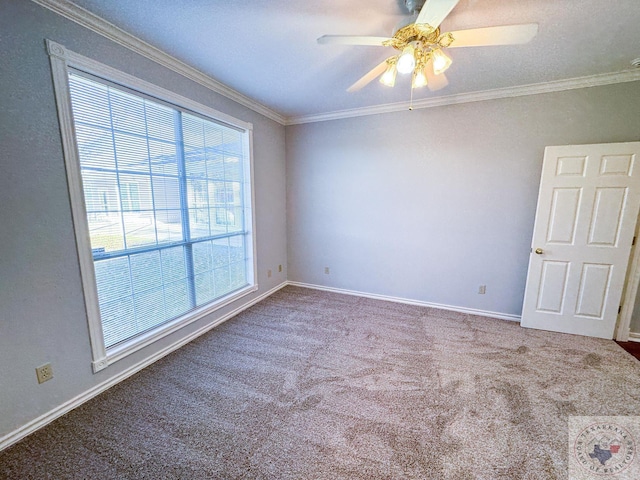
(419, 78)
(388, 78)
(407, 60)
(421, 45)
(440, 61)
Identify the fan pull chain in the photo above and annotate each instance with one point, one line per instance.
(411, 101)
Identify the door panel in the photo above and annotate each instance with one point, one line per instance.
(616, 165)
(552, 286)
(587, 209)
(571, 166)
(607, 215)
(564, 215)
(594, 284)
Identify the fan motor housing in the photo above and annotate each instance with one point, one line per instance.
(414, 6)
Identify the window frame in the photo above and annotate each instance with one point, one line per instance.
(62, 60)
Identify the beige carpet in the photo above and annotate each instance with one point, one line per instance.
(314, 385)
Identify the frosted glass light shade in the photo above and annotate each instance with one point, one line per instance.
(388, 78)
(440, 61)
(419, 78)
(407, 61)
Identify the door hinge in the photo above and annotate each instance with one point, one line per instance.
(619, 309)
(633, 242)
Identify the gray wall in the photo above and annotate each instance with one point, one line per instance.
(429, 204)
(42, 317)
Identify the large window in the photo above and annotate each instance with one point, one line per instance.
(167, 199)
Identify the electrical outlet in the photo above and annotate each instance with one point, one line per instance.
(482, 289)
(279, 268)
(268, 273)
(44, 372)
(326, 270)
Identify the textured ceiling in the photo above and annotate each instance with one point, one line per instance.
(267, 49)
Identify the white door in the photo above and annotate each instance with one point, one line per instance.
(587, 210)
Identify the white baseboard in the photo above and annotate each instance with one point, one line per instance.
(472, 311)
(69, 405)
(634, 337)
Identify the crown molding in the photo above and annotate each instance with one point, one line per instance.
(510, 92)
(98, 25)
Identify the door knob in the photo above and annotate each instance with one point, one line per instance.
(539, 251)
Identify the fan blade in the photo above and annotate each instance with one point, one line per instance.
(351, 40)
(435, 82)
(504, 35)
(434, 11)
(369, 77)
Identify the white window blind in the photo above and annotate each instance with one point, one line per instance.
(165, 199)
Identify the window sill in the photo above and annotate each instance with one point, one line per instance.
(122, 350)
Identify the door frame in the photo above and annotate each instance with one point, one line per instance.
(629, 296)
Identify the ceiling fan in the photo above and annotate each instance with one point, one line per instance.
(421, 45)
